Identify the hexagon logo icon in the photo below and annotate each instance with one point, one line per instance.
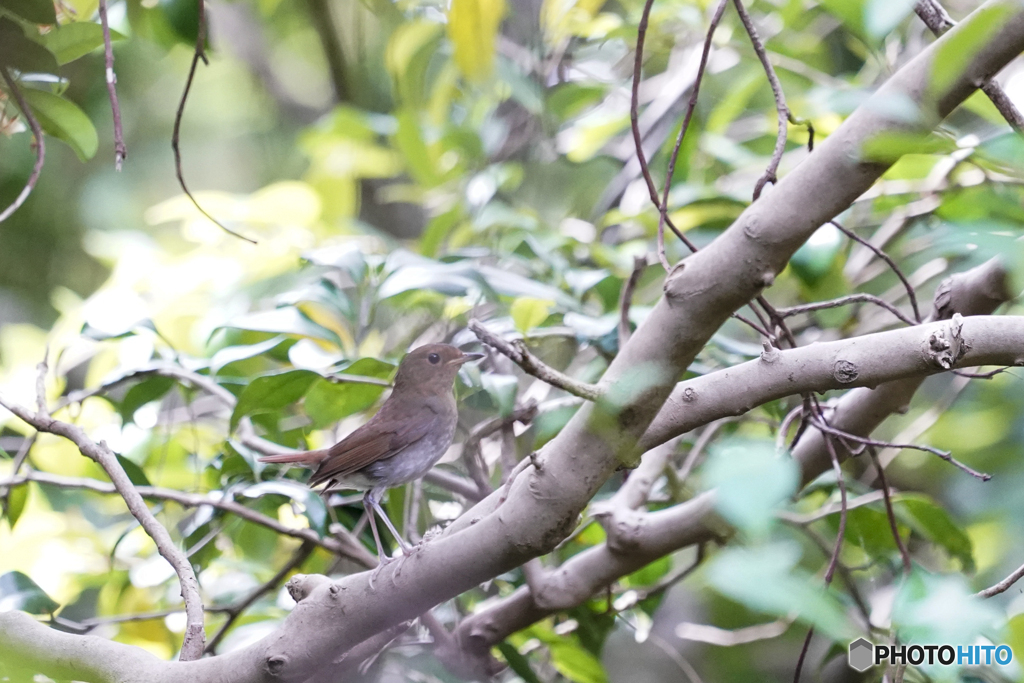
(862, 655)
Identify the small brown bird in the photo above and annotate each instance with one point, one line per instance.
(410, 432)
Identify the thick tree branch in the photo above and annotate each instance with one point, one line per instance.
(544, 503)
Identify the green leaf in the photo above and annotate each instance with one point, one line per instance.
(956, 51)
(927, 518)
(230, 354)
(882, 16)
(409, 141)
(22, 54)
(19, 592)
(850, 12)
(517, 662)
(272, 392)
(149, 389)
(931, 608)
(814, 259)
(285, 320)
(69, 42)
(35, 11)
(528, 313)
(502, 389)
(472, 28)
(889, 146)
(575, 663)
(63, 119)
(327, 402)
(135, 473)
(752, 481)
(767, 579)
(15, 501)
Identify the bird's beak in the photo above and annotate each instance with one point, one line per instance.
(466, 357)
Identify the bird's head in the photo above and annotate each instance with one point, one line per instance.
(432, 364)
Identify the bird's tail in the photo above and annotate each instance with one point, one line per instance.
(305, 458)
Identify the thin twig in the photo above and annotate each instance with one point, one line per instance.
(195, 636)
(769, 174)
(907, 566)
(634, 119)
(911, 295)
(37, 131)
(198, 500)
(200, 53)
(1003, 585)
(690, 107)
(865, 441)
(845, 301)
(626, 296)
(235, 611)
(120, 150)
(521, 356)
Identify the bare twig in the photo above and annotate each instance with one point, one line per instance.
(864, 441)
(845, 301)
(198, 500)
(200, 53)
(1003, 585)
(690, 107)
(626, 296)
(195, 636)
(911, 295)
(471, 446)
(907, 566)
(938, 21)
(769, 175)
(120, 150)
(235, 611)
(521, 356)
(634, 120)
(37, 131)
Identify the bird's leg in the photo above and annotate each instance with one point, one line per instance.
(406, 548)
(370, 505)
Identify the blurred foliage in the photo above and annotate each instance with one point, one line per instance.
(406, 166)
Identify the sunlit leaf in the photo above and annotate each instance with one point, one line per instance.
(74, 40)
(528, 313)
(19, 592)
(272, 392)
(230, 354)
(957, 50)
(63, 119)
(285, 320)
(14, 503)
(472, 28)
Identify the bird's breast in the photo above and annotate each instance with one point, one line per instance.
(413, 461)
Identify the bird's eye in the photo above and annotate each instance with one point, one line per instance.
(434, 358)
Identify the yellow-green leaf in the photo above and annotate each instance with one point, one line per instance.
(63, 119)
(472, 27)
(528, 312)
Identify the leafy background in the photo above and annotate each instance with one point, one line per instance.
(451, 161)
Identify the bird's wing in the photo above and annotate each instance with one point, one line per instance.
(368, 444)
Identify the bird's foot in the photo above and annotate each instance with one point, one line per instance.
(382, 562)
